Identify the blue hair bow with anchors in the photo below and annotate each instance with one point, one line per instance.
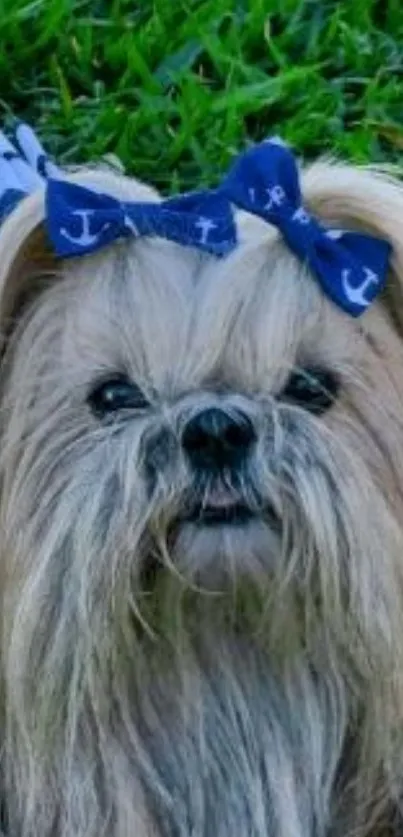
(351, 267)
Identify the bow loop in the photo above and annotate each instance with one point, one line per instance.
(351, 267)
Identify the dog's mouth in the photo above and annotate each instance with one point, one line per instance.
(221, 506)
(220, 529)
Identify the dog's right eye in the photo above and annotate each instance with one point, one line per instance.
(115, 394)
(314, 389)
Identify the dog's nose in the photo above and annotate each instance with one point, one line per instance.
(214, 439)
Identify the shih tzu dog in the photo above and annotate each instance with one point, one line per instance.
(201, 469)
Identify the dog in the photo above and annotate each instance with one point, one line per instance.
(201, 510)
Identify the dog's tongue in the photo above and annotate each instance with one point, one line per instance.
(220, 497)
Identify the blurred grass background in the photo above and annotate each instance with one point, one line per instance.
(175, 87)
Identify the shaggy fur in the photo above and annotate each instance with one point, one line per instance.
(163, 679)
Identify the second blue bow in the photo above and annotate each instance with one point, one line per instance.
(351, 267)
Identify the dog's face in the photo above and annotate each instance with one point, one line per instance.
(223, 422)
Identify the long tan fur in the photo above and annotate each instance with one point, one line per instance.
(164, 680)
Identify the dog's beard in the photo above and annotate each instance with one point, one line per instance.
(272, 561)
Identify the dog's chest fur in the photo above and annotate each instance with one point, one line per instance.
(228, 746)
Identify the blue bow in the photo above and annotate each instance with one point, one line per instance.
(80, 220)
(351, 267)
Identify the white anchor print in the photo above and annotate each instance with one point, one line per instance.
(356, 295)
(205, 225)
(86, 239)
(301, 216)
(276, 195)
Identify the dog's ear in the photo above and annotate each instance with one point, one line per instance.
(25, 260)
(367, 200)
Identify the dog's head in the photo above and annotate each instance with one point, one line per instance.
(175, 427)
(220, 422)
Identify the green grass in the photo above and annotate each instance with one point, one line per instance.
(175, 87)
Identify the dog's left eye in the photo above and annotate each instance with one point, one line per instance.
(312, 389)
(116, 394)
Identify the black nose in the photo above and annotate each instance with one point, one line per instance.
(214, 439)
